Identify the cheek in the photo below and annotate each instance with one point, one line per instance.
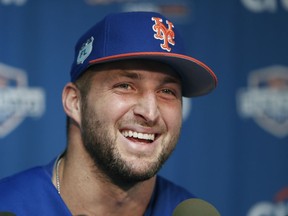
(172, 115)
(110, 108)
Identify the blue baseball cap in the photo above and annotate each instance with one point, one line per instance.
(142, 35)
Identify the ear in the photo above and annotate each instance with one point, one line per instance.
(71, 102)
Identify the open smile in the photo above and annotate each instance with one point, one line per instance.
(141, 136)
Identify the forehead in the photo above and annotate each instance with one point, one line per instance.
(137, 66)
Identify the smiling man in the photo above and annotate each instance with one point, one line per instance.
(124, 116)
(130, 117)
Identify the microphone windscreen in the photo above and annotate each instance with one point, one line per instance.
(195, 207)
(7, 214)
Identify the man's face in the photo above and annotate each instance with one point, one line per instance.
(131, 118)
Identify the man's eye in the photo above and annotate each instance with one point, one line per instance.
(124, 86)
(168, 91)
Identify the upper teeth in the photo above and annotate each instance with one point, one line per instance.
(138, 135)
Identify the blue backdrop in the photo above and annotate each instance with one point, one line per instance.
(234, 148)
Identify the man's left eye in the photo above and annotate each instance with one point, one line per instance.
(168, 91)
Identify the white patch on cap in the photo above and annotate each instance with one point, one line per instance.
(85, 51)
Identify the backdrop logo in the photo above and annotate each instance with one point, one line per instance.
(105, 2)
(260, 6)
(13, 2)
(278, 207)
(186, 108)
(266, 99)
(17, 100)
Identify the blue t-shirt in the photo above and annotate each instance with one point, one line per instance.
(32, 193)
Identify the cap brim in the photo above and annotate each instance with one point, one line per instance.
(196, 77)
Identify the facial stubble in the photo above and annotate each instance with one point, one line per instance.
(101, 146)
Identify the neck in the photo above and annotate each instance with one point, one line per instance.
(86, 191)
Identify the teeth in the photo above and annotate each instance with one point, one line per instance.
(138, 135)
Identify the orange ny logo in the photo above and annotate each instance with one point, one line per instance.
(164, 33)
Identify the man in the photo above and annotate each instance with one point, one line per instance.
(124, 111)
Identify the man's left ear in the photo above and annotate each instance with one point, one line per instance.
(71, 102)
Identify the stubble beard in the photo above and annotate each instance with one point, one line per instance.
(102, 149)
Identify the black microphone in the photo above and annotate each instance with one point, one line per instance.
(195, 207)
(7, 214)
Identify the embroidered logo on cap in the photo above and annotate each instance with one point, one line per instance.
(164, 33)
(85, 51)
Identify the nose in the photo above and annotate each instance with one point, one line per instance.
(147, 108)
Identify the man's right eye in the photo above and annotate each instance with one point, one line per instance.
(124, 86)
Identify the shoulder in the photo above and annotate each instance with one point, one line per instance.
(30, 192)
(171, 190)
(23, 182)
(20, 186)
(167, 195)
(20, 181)
(18, 190)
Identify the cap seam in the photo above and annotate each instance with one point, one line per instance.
(106, 34)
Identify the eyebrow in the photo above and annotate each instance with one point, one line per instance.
(172, 79)
(133, 75)
(128, 74)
